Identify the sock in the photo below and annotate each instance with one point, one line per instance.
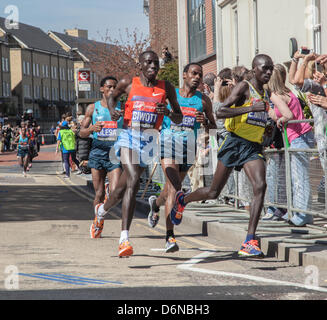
(249, 237)
(101, 213)
(123, 236)
(169, 233)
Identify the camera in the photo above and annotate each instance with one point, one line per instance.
(305, 51)
(224, 83)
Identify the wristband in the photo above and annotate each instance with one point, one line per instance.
(295, 60)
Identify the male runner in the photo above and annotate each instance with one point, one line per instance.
(245, 111)
(23, 141)
(144, 109)
(98, 122)
(178, 145)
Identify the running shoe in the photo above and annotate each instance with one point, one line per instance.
(125, 249)
(250, 249)
(97, 225)
(153, 217)
(24, 174)
(171, 245)
(106, 189)
(176, 213)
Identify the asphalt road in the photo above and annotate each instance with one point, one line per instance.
(46, 253)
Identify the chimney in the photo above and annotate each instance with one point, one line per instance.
(79, 33)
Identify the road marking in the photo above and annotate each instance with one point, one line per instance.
(68, 279)
(188, 265)
(158, 249)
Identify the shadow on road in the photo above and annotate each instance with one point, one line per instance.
(36, 203)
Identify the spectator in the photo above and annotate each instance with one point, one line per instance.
(2, 138)
(83, 148)
(66, 142)
(165, 58)
(303, 79)
(209, 80)
(299, 135)
(8, 136)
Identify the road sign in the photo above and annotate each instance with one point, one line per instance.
(84, 80)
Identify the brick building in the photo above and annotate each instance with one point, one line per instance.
(162, 24)
(197, 34)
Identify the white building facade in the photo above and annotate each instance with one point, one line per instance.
(247, 27)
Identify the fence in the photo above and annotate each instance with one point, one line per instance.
(295, 181)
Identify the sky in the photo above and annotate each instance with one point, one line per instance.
(96, 16)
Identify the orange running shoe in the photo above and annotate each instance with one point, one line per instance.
(97, 225)
(125, 249)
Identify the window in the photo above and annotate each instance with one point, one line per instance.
(27, 91)
(5, 64)
(26, 68)
(53, 72)
(5, 89)
(197, 29)
(37, 92)
(45, 71)
(36, 70)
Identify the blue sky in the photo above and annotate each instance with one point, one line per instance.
(94, 15)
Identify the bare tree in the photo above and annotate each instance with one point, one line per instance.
(117, 57)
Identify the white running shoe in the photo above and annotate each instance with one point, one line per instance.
(153, 217)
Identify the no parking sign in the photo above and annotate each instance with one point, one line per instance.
(84, 80)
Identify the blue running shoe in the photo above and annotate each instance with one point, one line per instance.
(251, 249)
(176, 213)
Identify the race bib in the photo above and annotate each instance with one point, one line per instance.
(189, 118)
(108, 131)
(144, 115)
(258, 119)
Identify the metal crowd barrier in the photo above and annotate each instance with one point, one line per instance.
(281, 171)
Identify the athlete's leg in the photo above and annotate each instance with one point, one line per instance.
(220, 178)
(113, 177)
(133, 173)
(98, 179)
(256, 172)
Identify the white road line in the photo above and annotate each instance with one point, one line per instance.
(188, 265)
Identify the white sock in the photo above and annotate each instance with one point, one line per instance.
(123, 236)
(101, 212)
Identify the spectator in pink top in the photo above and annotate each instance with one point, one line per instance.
(300, 136)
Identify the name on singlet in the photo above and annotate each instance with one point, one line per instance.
(108, 131)
(144, 114)
(189, 117)
(257, 118)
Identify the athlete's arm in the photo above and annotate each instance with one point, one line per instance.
(86, 127)
(176, 115)
(123, 86)
(207, 109)
(238, 94)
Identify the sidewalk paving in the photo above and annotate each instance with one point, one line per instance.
(300, 246)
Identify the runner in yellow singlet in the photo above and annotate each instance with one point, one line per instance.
(246, 113)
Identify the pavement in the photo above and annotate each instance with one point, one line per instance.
(299, 246)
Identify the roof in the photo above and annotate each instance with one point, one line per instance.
(87, 48)
(32, 37)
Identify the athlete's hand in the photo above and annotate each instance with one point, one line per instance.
(115, 115)
(259, 107)
(200, 118)
(162, 109)
(97, 127)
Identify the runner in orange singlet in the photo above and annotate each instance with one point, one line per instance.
(138, 141)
